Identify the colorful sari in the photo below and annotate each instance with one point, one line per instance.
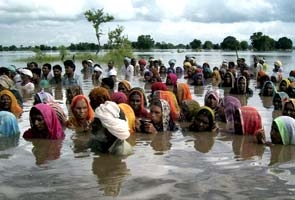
(158, 86)
(54, 129)
(283, 96)
(130, 116)
(8, 124)
(119, 97)
(250, 120)
(98, 95)
(230, 104)
(183, 92)
(171, 99)
(173, 78)
(142, 113)
(15, 107)
(286, 126)
(73, 121)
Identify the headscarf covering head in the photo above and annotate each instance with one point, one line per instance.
(119, 97)
(43, 97)
(183, 92)
(126, 84)
(250, 120)
(142, 62)
(210, 115)
(286, 126)
(130, 116)
(14, 107)
(53, 125)
(230, 104)
(109, 115)
(8, 124)
(158, 86)
(278, 63)
(192, 108)
(6, 82)
(173, 78)
(77, 98)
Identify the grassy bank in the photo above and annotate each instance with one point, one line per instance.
(116, 55)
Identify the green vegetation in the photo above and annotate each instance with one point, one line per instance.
(97, 17)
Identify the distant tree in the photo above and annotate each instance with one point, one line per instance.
(97, 17)
(195, 44)
(145, 42)
(216, 46)
(181, 46)
(230, 43)
(12, 48)
(262, 42)
(208, 45)
(116, 39)
(244, 45)
(284, 43)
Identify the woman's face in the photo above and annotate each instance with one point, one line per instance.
(5, 102)
(283, 86)
(289, 110)
(211, 102)
(199, 80)
(242, 85)
(122, 88)
(156, 114)
(147, 77)
(80, 110)
(168, 81)
(163, 70)
(227, 79)
(202, 122)
(38, 122)
(275, 134)
(277, 103)
(135, 102)
(268, 91)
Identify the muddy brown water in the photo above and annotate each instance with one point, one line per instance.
(177, 165)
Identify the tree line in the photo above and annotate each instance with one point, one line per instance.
(259, 42)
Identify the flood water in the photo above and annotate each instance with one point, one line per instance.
(177, 165)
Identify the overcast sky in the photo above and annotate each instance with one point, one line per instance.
(57, 22)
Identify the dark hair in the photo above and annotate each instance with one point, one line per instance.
(70, 63)
(156, 102)
(37, 71)
(4, 70)
(84, 62)
(57, 67)
(34, 63)
(109, 81)
(47, 65)
(231, 64)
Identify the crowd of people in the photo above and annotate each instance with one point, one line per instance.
(114, 109)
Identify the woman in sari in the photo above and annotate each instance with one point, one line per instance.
(82, 114)
(73, 91)
(229, 80)
(182, 92)
(9, 103)
(124, 86)
(8, 124)
(226, 110)
(160, 118)
(247, 121)
(171, 99)
(44, 124)
(136, 100)
(284, 85)
(204, 120)
(242, 87)
(289, 108)
(119, 97)
(279, 99)
(189, 109)
(130, 116)
(283, 130)
(212, 99)
(268, 89)
(43, 97)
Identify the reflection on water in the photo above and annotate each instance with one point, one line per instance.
(46, 150)
(111, 171)
(244, 148)
(171, 165)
